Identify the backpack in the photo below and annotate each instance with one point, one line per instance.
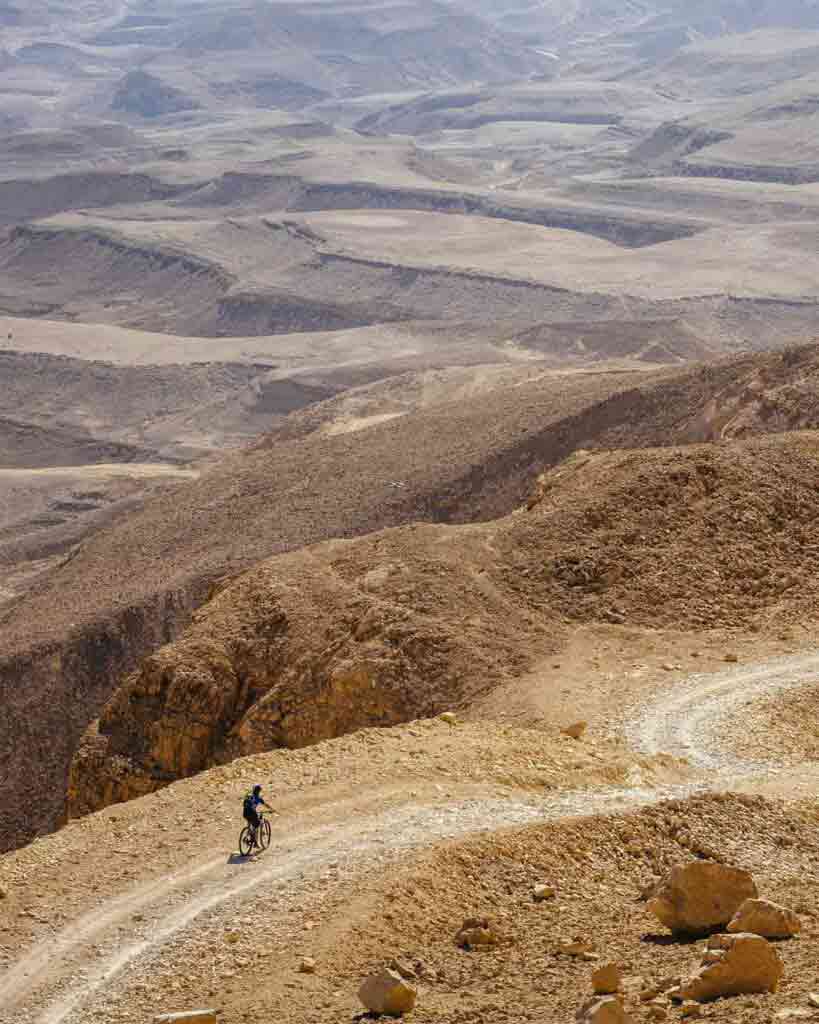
(247, 806)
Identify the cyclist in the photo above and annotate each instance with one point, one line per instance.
(249, 812)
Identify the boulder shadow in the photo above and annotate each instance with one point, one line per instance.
(653, 939)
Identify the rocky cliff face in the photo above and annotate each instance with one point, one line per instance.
(306, 647)
(44, 719)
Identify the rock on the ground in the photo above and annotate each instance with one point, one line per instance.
(308, 965)
(449, 717)
(701, 896)
(603, 1010)
(543, 892)
(765, 918)
(578, 945)
(734, 965)
(188, 1017)
(575, 730)
(660, 988)
(406, 970)
(691, 1008)
(477, 931)
(387, 992)
(813, 999)
(606, 980)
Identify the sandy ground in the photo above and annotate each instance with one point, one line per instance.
(101, 471)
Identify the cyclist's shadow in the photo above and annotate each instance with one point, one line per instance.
(240, 858)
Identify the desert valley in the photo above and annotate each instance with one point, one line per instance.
(410, 407)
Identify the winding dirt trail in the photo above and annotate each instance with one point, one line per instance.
(60, 979)
(40, 977)
(688, 720)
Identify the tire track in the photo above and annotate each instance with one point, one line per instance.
(687, 721)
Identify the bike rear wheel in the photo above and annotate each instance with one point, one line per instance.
(263, 836)
(246, 841)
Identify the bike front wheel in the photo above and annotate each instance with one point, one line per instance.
(246, 841)
(264, 834)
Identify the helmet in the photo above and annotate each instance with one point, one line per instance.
(257, 789)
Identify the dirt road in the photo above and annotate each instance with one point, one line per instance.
(691, 719)
(67, 976)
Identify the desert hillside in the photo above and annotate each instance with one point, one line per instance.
(411, 621)
(413, 409)
(130, 588)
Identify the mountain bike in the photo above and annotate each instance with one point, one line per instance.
(255, 836)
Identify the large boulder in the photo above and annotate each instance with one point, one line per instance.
(701, 896)
(603, 1010)
(734, 965)
(765, 918)
(387, 992)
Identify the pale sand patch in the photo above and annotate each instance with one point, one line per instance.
(104, 470)
(352, 424)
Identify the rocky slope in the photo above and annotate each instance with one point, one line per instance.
(128, 590)
(790, 724)
(404, 623)
(30, 446)
(732, 398)
(132, 588)
(598, 868)
(144, 95)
